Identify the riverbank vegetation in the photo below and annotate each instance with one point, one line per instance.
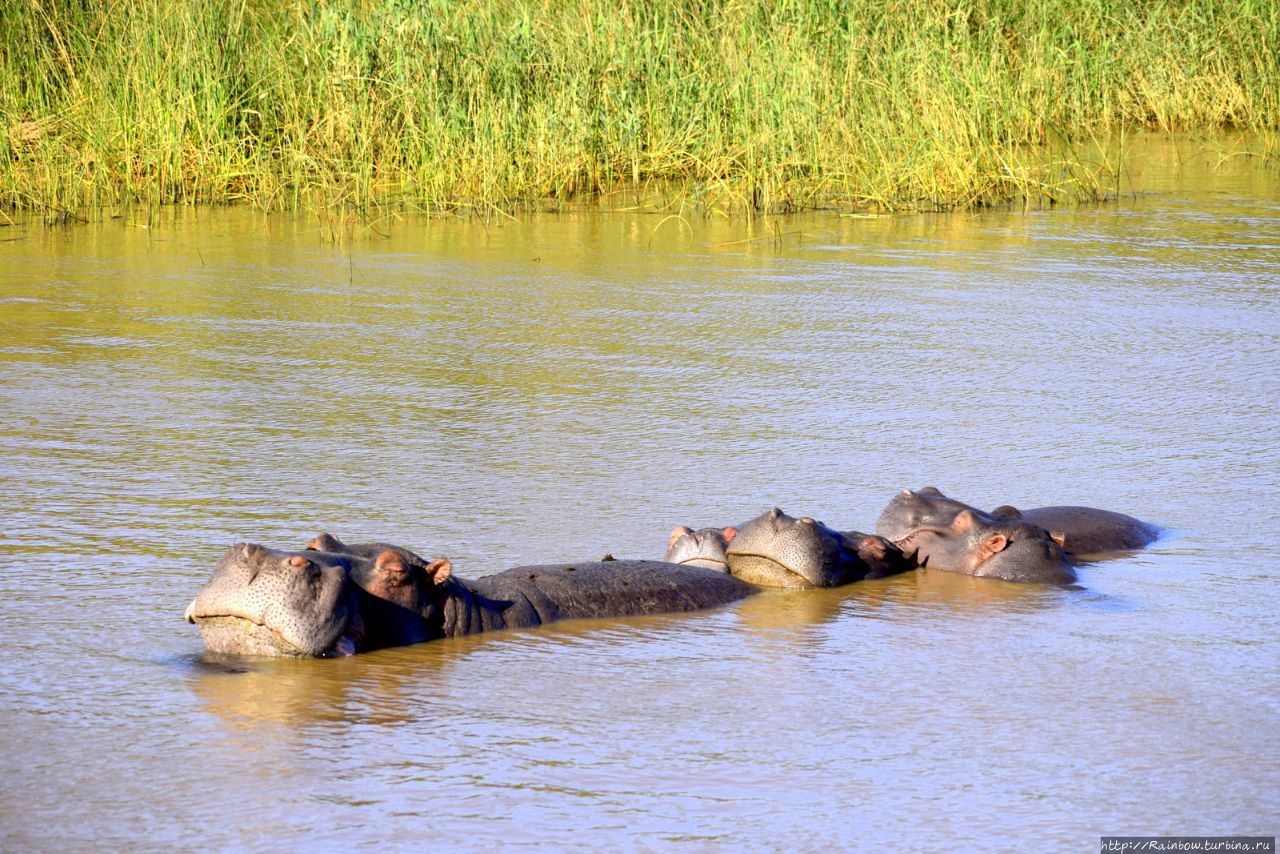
(501, 104)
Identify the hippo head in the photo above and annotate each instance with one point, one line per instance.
(881, 557)
(777, 550)
(977, 544)
(912, 509)
(390, 573)
(705, 547)
(309, 604)
(262, 601)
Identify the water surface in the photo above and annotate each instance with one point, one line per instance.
(558, 387)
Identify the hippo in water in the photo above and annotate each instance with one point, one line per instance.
(777, 550)
(1087, 530)
(952, 536)
(338, 599)
(1079, 530)
(706, 547)
(977, 544)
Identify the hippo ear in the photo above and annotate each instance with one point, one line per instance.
(729, 533)
(677, 532)
(963, 523)
(324, 543)
(1059, 537)
(871, 547)
(1006, 511)
(992, 545)
(930, 490)
(439, 571)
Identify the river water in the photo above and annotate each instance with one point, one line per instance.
(560, 386)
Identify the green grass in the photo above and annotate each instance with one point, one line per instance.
(750, 104)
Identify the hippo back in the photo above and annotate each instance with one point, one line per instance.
(615, 588)
(1090, 531)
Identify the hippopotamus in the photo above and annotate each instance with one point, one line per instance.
(1087, 530)
(706, 547)
(977, 544)
(1078, 530)
(777, 550)
(336, 599)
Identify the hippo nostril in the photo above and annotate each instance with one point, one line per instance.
(298, 561)
(807, 521)
(906, 493)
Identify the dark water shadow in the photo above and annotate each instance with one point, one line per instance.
(950, 591)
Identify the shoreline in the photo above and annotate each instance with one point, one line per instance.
(1152, 163)
(756, 107)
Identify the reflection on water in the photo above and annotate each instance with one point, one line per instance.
(561, 387)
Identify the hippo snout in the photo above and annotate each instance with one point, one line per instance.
(264, 601)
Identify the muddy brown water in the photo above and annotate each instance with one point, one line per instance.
(564, 386)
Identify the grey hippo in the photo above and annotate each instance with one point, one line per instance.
(777, 550)
(1081, 531)
(1035, 546)
(334, 599)
(948, 535)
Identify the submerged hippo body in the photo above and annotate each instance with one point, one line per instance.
(1079, 530)
(318, 603)
(942, 533)
(1088, 530)
(777, 550)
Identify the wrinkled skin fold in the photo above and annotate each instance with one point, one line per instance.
(335, 599)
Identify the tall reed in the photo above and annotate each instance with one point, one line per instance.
(502, 103)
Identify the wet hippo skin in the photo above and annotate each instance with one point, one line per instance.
(318, 603)
(777, 550)
(1080, 531)
(945, 534)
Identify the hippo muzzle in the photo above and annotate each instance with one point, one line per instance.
(777, 550)
(266, 602)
